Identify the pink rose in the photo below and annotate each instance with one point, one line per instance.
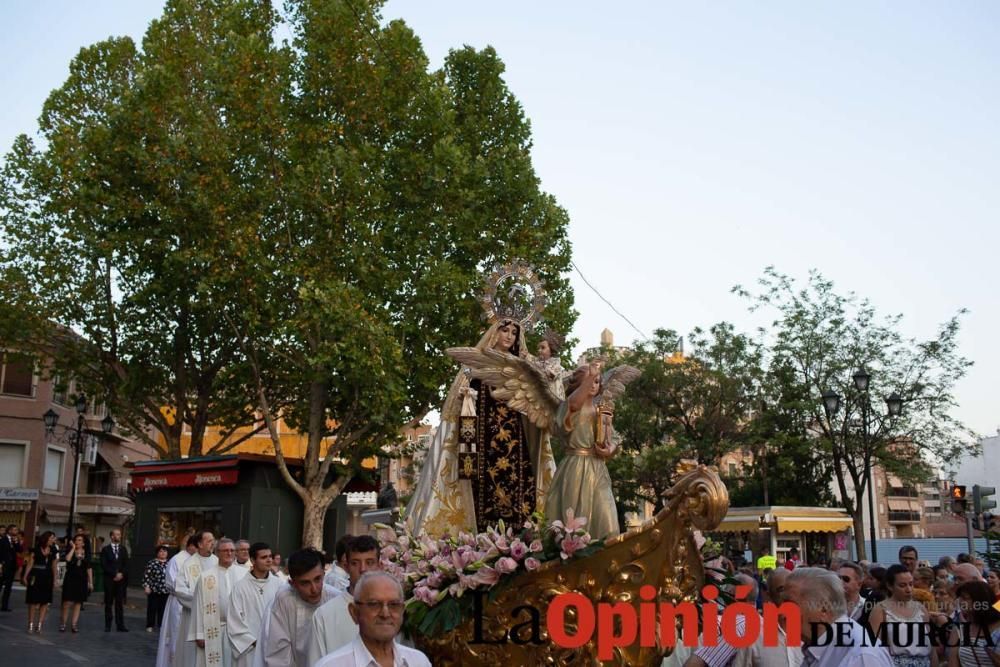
(506, 565)
(535, 547)
(532, 564)
(518, 550)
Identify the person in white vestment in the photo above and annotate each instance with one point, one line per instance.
(378, 612)
(243, 554)
(337, 575)
(209, 628)
(333, 625)
(202, 561)
(288, 627)
(250, 598)
(172, 614)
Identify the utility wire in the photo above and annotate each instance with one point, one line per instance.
(610, 305)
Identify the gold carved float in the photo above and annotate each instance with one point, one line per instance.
(662, 552)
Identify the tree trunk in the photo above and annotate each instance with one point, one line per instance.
(313, 515)
(859, 531)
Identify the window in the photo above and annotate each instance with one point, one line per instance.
(61, 391)
(12, 455)
(17, 375)
(53, 469)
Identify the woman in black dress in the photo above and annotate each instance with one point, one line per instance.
(78, 582)
(40, 577)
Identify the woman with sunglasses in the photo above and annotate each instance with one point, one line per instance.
(896, 622)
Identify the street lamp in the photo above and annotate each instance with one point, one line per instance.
(894, 406)
(51, 419)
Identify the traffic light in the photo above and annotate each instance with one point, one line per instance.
(959, 503)
(981, 501)
(990, 524)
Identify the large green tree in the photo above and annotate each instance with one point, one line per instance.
(818, 339)
(107, 219)
(239, 224)
(398, 186)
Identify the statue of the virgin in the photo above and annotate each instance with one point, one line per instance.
(511, 463)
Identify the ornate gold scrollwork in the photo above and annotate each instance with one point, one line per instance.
(662, 553)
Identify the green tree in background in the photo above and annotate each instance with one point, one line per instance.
(818, 339)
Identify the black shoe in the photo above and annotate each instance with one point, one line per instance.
(6, 609)
(107, 628)
(123, 629)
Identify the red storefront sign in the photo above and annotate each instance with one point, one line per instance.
(183, 474)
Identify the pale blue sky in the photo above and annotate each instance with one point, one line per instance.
(696, 143)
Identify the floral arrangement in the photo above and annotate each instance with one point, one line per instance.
(438, 572)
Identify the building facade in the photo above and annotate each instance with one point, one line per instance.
(37, 466)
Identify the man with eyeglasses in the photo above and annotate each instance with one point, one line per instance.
(332, 624)
(378, 611)
(859, 608)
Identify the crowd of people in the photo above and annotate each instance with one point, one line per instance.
(229, 604)
(67, 564)
(907, 614)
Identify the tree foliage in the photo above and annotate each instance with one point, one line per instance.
(296, 227)
(818, 339)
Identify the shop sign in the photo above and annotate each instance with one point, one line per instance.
(171, 480)
(18, 494)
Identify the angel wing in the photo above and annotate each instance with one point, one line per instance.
(613, 382)
(515, 381)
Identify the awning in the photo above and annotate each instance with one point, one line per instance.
(813, 525)
(172, 475)
(903, 505)
(737, 526)
(117, 465)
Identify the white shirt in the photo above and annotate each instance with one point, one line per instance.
(854, 652)
(356, 654)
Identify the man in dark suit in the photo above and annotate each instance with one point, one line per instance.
(114, 563)
(10, 546)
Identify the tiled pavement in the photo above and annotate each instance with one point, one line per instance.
(91, 646)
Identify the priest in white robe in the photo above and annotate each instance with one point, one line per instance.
(333, 625)
(202, 561)
(172, 614)
(209, 629)
(243, 555)
(251, 597)
(288, 626)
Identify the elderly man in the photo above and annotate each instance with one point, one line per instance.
(209, 628)
(332, 625)
(202, 560)
(243, 555)
(378, 612)
(819, 595)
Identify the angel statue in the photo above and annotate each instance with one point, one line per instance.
(582, 421)
(486, 461)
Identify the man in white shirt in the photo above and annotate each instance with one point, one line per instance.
(378, 612)
(288, 628)
(250, 598)
(209, 627)
(337, 575)
(187, 578)
(819, 595)
(333, 626)
(243, 555)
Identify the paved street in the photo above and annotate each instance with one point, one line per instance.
(92, 646)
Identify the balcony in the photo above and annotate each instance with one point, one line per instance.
(902, 492)
(904, 517)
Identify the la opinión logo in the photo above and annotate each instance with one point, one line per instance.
(654, 623)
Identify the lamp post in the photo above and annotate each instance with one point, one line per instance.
(75, 439)
(894, 407)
